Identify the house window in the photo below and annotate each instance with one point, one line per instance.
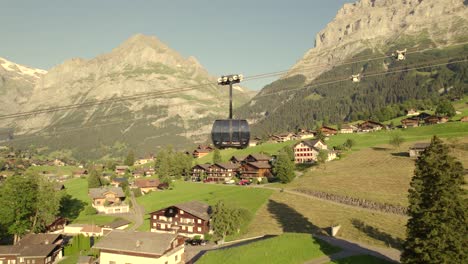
(176, 257)
(155, 217)
(171, 211)
(199, 229)
(181, 212)
(199, 221)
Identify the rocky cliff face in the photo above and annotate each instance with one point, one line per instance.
(376, 24)
(140, 65)
(16, 83)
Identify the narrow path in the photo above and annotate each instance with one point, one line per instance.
(138, 213)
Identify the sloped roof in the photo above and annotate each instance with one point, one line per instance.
(39, 239)
(239, 157)
(118, 223)
(227, 165)
(260, 165)
(136, 242)
(202, 166)
(196, 208)
(420, 146)
(121, 167)
(311, 143)
(259, 157)
(9, 250)
(37, 250)
(120, 180)
(91, 229)
(99, 192)
(147, 183)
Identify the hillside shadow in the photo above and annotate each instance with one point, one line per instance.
(401, 154)
(71, 207)
(375, 233)
(291, 220)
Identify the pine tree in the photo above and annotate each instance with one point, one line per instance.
(130, 159)
(94, 179)
(216, 156)
(284, 168)
(436, 230)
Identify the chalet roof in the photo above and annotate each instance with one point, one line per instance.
(117, 223)
(136, 242)
(121, 180)
(311, 143)
(423, 115)
(202, 148)
(91, 229)
(196, 208)
(9, 250)
(328, 128)
(202, 166)
(121, 167)
(346, 126)
(37, 250)
(420, 146)
(39, 239)
(99, 192)
(147, 183)
(239, 157)
(227, 165)
(259, 157)
(260, 165)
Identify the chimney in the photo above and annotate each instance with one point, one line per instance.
(139, 243)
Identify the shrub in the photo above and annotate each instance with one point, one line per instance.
(90, 210)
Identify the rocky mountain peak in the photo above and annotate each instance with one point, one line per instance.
(374, 23)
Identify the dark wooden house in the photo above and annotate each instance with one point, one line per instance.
(188, 219)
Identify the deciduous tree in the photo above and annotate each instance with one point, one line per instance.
(284, 168)
(216, 156)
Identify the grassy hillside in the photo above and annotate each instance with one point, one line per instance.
(250, 199)
(287, 248)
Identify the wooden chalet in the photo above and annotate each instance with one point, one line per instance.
(410, 122)
(140, 247)
(33, 248)
(412, 112)
(198, 170)
(423, 116)
(256, 169)
(417, 149)
(119, 182)
(257, 158)
(369, 126)
(188, 219)
(307, 151)
(121, 170)
(237, 159)
(108, 200)
(147, 185)
(347, 129)
(222, 172)
(328, 131)
(202, 151)
(57, 225)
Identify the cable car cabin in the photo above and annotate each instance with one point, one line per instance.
(230, 133)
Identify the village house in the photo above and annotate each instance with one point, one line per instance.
(121, 170)
(304, 134)
(328, 131)
(202, 151)
(147, 185)
(119, 182)
(257, 157)
(464, 119)
(307, 151)
(33, 248)
(256, 170)
(432, 120)
(369, 126)
(108, 200)
(284, 137)
(57, 225)
(188, 219)
(121, 247)
(423, 116)
(410, 122)
(142, 161)
(237, 159)
(222, 172)
(347, 129)
(119, 224)
(199, 170)
(417, 149)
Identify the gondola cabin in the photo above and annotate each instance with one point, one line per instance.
(230, 133)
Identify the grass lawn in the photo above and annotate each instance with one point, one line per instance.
(72, 259)
(248, 198)
(365, 140)
(226, 154)
(361, 259)
(292, 213)
(286, 248)
(58, 170)
(379, 174)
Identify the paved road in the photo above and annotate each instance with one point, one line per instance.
(138, 212)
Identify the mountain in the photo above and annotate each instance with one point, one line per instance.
(140, 65)
(361, 33)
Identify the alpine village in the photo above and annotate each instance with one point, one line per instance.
(357, 153)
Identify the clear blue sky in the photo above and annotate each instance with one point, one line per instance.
(249, 37)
